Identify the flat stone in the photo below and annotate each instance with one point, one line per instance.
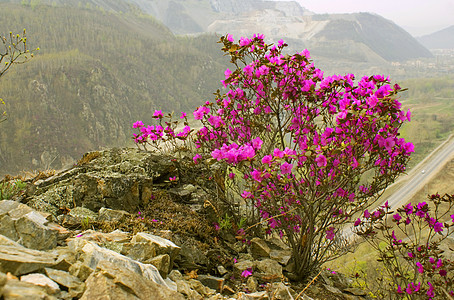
(21, 260)
(110, 215)
(111, 281)
(253, 296)
(242, 265)
(144, 246)
(185, 288)
(259, 248)
(332, 289)
(20, 290)
(27, 226)
(80, 270)
(269, 268)
(215, 283)
(63, 278)
(281, 256)
(91, 254)
(33, 232)
(42, 280)
(281, 291)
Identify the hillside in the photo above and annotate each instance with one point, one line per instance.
(86, 87)
(332, 38)
(443, 39)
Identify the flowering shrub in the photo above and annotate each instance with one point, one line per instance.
(307, 151)
(163, 134)
(302, 143)
(416, 267)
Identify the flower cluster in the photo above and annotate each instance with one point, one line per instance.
(416, 266)
(163, 133)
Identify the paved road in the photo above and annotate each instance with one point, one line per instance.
(416, 180)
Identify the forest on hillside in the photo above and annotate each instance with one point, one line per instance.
(95, 73)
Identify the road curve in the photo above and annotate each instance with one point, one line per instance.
(417, 178)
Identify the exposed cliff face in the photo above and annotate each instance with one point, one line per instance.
(289, 8)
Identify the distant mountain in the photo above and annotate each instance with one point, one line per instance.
(359, 37)
(443, 39)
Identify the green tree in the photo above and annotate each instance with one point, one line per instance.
(13, 50)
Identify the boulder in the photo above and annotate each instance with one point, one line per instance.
(268, 270)
(73, 284)
(91, 254)
(118, 179)
(112, 281)
(30, 228)
(259, 248)
(144, 247)
(19, 260)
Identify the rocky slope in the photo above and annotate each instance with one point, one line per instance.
(79, 235)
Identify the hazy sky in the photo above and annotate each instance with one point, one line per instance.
(418, 17)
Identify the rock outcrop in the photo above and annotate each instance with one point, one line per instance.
(84, 244)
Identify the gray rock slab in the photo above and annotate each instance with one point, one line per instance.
(111, 281)
(20, 290)
(20, 260)
(91, 254)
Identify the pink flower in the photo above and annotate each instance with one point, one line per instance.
(231, 175)
(268, 158)
(196, 158)
(246, 273)
(247, 195)
(200, 112)
(330, 233)
(278, 153)
(257, 143)
(397, 217)
(357, 222)
(230, 38)
(256, 175)
(409, 147)
(409, 115)
(321, 161)
(158, 114)
(227, 73)
(286, 168)
(389, 143)
(137, 124)
(174, 178)
(438, 227)
(183, 115)
(420, 267)
(366, 214)
(280, 43)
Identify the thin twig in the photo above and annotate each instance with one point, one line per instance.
(308, 285)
